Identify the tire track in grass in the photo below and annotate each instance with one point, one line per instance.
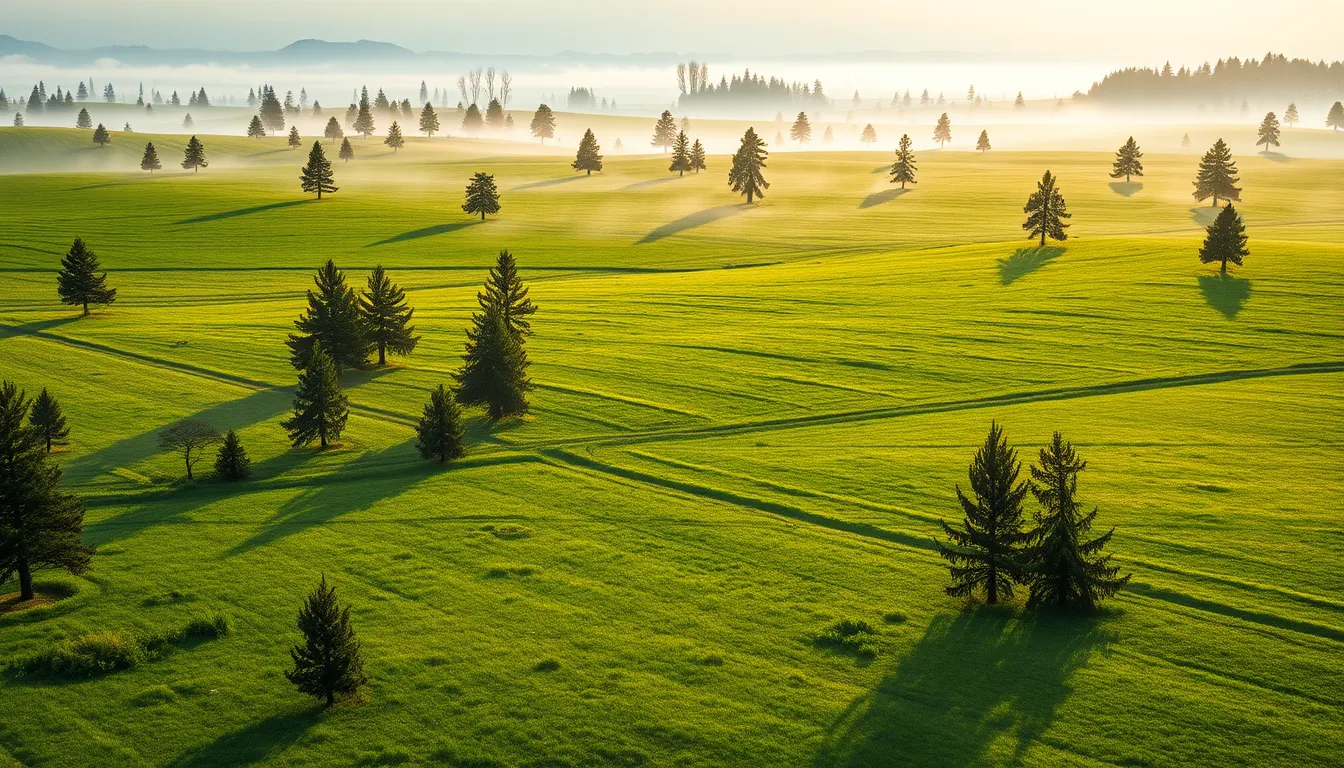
(1262, 618)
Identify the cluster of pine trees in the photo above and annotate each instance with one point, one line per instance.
(745, 91)
(1227, 82)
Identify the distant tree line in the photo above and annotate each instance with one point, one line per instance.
(745, 91)
(1229, 81)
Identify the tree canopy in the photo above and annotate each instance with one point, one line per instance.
(1217, 175)
(79, 283)
(482, 195)
(316, 175)
(745, 176)
(1046, 211)
(587, 159)
(1225, 240)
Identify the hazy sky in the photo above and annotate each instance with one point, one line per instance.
(1141, 31)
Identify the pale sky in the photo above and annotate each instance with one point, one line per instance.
(1138, 31)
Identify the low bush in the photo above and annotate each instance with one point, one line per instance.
(97, 653)
(854, 636)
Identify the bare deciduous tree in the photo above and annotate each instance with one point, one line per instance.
(681, 76)
(462, 88)
(490, 83)
(190, 436)
(505, 89)
(474, 82)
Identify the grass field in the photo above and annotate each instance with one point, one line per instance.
(747, 423)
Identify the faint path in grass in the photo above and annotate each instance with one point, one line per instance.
(416, 234)
(244, 211)
(1025, 261)
(1225, 293)
(691, 221)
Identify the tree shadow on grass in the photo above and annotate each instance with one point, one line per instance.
(256, 743)
(1203, 215)
(885, 196)
(1225, 293)
(547, 183)
(1025, 261)
(652, 182)
(691, 221)
(244, 211)
(37, 326)
(978, 680)
(416, 234)
(1276, 157)
(1125, 188)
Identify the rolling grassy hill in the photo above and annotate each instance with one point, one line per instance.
(748, 422)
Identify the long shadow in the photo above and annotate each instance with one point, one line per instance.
(1225, 293)
(697, 219)
(885, 196)
(31, 248)
(1203, 215)
(882, 168)
(151, 178)
(1025, 261)
(977, 679)
(1125, 188)
(258, 742)
(37, 326)
(652, 182)
(547, 183)
(416, 234)
(244, 211)
(1276, 157)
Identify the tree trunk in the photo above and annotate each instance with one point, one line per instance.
(482, 215)
(86, 306)
(1042, 236)
(331, 698)
(992, 591)
(319, 191)
(188, 463)
(1223, 267)
(382, 352)
(25, 581)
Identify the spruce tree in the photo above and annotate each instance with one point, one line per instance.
(505, 294)
(187, 123)
(1269, 132)
(482, 195)
(472, 123)
(150, 160)
(439, 433)
(1046, 211)
(83, 121)
(394, 139)
(328, 663)
(347, 151)
(1019, 102)
(1225, 240)
(333, 320)
(18, 120)
(1185, 140)
(664, 131)
(1217, 175)
(869, 136)
(316, 175)
(429, 121)
(494, 115)
(1335, 119)
(681, 155)
(272, 113)
(40, 525)
(231, 463)
(386, 316)
(1066, 571)
(903, 170)
(982, 143)
(295, 141)
(697, 156)
(333, 130)
(320, 408)
(47, 421)
(801, 131)
(1127, 161)
(942, 132)
(543, 123)
(79, 282)
(1290, 116)
(745, 176)
(494, 368)
(364, 124)
(193, 158)
(100, 136)
(255, 130)
(986, 551)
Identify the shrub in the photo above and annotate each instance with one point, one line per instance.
(92, 654)
(854, 636)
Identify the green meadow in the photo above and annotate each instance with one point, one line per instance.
(746, 426)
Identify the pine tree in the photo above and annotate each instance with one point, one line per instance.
(543, 123)
(801, 131)
(1185, 140)
(79, 283)
(231, 463)
(664, 131)
(386, 316)
(316, 176)
(40, 525)
(745, 176)
(255, 130)
(1225, 240)
(394, 139)
(1217, 175)
(681, 155)
(18, 120)
(1046, 211)
(482, 196)
(1127, 161)
(982, 143)
(494, 115)
(429, 121)
(328, 663)
(869, 136)
(472, 123)
(1336, 117)
(505, 294)
(351, 115)
(101, 136)
(494, 368)
(272, 113)
(364, 116)
(187, 123)
(333, 130)
(942, 132)
(332, 320)
(190, 437)
(986, 550)
(1290, 115)
(347, 152)
(83, 121)
(150, 160)
(903, 170)
(1066, 571)
(47, 421)
(1269, 132)
(1019, 102)
(320, 408)
(295, 141)
(697, 157)
(193, 157)
(439, 433)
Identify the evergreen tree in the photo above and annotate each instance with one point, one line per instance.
(1336, 117)
(1019, 102)
(320, 408)
(394, 139)
(472, 121)
(942, 132)
(903, 170)
(494, 368)
(1225, 240)
(332, 320)
(150, 160)
(188, 123)
(272, 113)
(83, 121)
(295, 141)
(1269, 132)
(440, 434)
(1217, 175)
(681, 155)
(494, 115)
(664, 131)
(1127, 161)
(869, 136)
(543, 123)
(482, 196)
(190, 437)
(1185, 140)
(101, 136)
(79, 283)
(506, 295)
(429, 121)
(231, 463)
(18, 120)
(745, 176)
(193, 158)
(316, 176)
(1066, 571)
(986, 550)
(1290, 115)
(351, 115)
(801, 131)
(1046, 211)
(347, 152)
(697, 158)
(255, 130)
(47, 421)
(364, 116)
(982, 143)
(386, 316)
(328, 663)
(333, 130)
(40, 525)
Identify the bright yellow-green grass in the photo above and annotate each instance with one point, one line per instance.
(747, 423)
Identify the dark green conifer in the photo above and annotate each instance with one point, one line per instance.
(332, 319)
(482, 196)
(328, 663)
(664, 131)
(394, 139)
(439, 433)
(697, 156)
(294, 141)
(101, 137)
(903, 170)
(333, 130)
(316, 175)
(506, 295)
(193, 158)
(83, 121)
(1128, 161)
(387, 317)
(1046, 211)
(1225, 240)
(364, 124)
(150, 160)
(320, 408)
(272, 112)
(494, 368)
(231, 463)
(494, 115)
(79, 283)
(1269, 132)
(47, 421)
(255, 130)
(472, 121)
(1217, 175)
(543, 123)
(745, 176)
(681, 155)
(588, 158)
(347, 151)
(429, 121)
